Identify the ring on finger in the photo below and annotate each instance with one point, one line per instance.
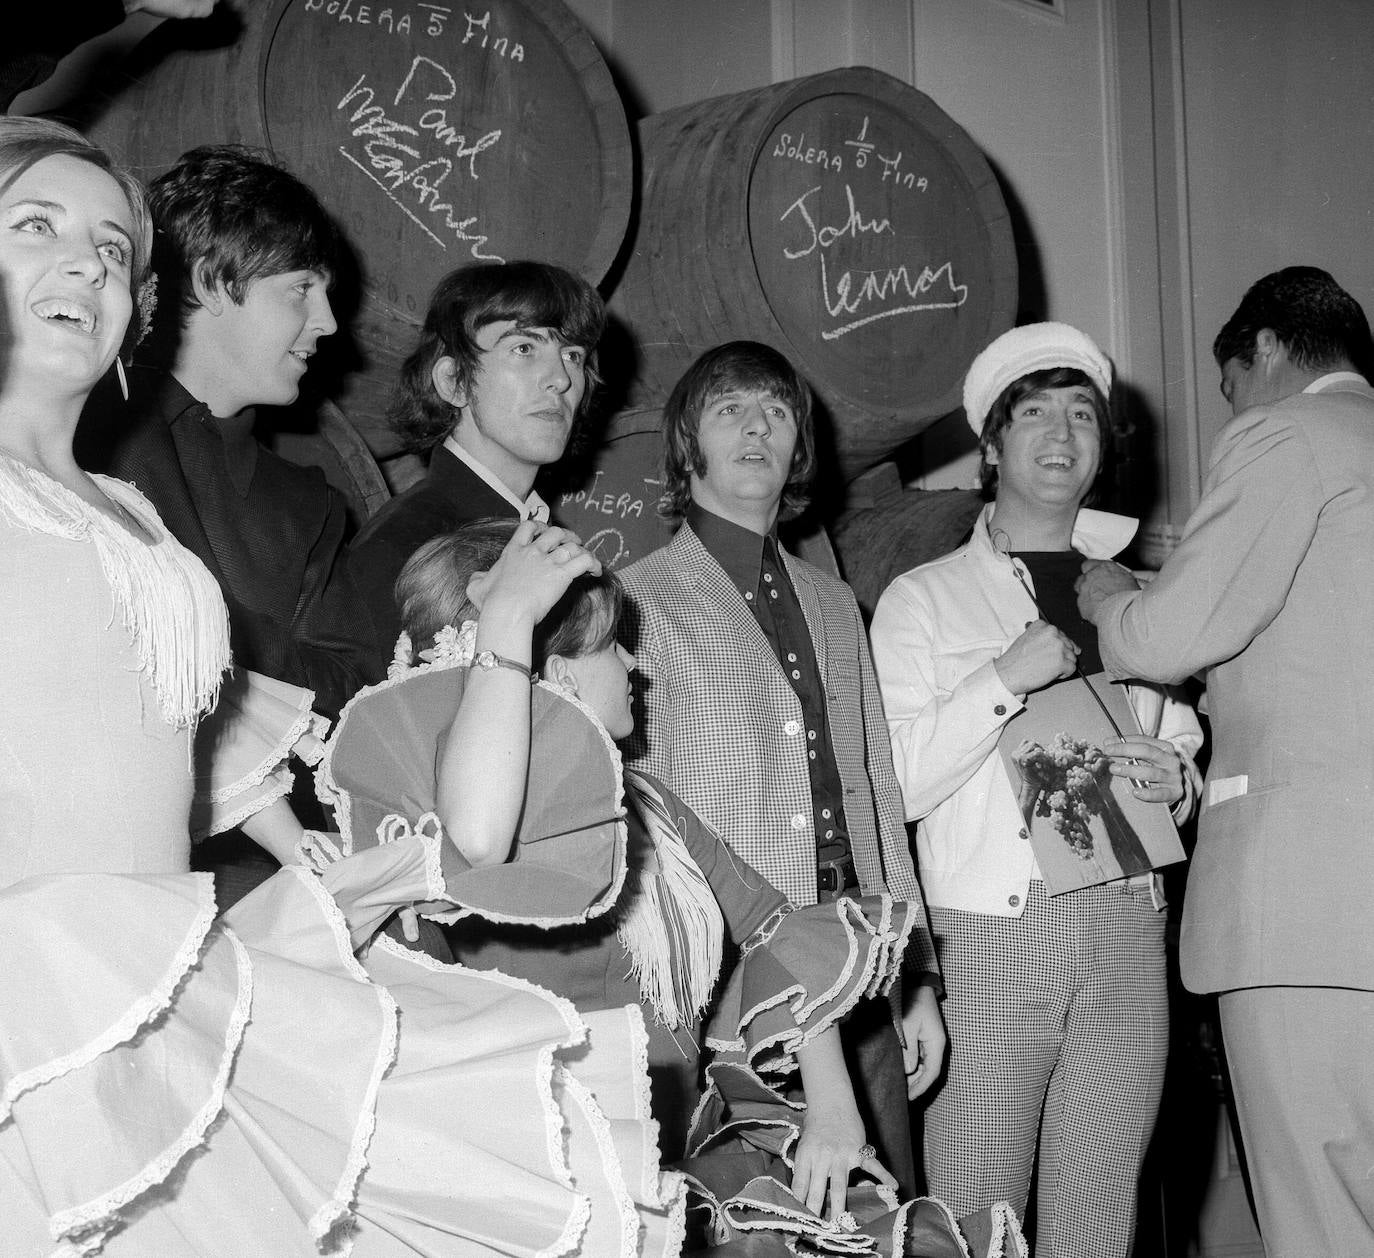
(867, 1153)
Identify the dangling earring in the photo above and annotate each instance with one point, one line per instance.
(123, 379)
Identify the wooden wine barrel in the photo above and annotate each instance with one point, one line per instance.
(843, 218)
(888, 529)
(435, 135)
(328, 440)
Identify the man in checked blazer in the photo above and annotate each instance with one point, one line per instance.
(760, 704)
(1270, 593)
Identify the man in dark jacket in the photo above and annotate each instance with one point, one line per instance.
(501, 377)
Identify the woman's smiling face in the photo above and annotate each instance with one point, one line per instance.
(66, 261)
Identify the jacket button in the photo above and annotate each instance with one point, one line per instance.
(798, 822)
(1013, 900)
(792, 728)
(1000, 710)
(1023, 833)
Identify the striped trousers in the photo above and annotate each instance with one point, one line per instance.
(1058, 1032)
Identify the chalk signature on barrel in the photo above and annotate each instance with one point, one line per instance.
(865, 293)
(395, 162)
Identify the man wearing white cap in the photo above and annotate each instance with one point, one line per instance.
(1271, 593)
(1056, 1007)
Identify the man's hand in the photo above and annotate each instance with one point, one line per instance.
(1101, 579)
(1041, 655)
(923, 1028)
(1152, 765)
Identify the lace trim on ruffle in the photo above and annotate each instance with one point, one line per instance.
(394, 828)
(136, 1017)
(340, 1205)
(317, 850)
(553, 1116)
(454, 649)
(610, 1159)
(87, 1226)
(168, 603)
(673, 1187)
(880, 953)
(308, 722)
(1006, 1226)
(821, 1235)
(769, 928)
(903, 1221)
(232, 820)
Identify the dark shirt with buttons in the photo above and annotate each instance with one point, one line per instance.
(753, 563)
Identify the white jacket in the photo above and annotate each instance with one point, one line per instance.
(936, 632)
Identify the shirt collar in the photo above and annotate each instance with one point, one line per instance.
(532, 508)
(1096, 534)
(1334, 379)
(737, 549)
(239, 446)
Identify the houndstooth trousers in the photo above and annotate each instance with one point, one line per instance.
(1058, 1032)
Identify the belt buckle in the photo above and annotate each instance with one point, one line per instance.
(833, 877)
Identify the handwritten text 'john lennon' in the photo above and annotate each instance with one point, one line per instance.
(399, 165)
(865, 300)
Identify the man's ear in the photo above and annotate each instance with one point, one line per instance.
(1269, 349)
(444, 377)
(209, 293)
(557, 671)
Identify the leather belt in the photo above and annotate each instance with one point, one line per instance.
(835, 877)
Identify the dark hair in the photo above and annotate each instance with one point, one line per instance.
(532, 295)
(24, 142)
(432, 593)
(1316, 320)
(239, 215)
(724, 369)
(1000, 415)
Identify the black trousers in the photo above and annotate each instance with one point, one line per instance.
(873, 1054)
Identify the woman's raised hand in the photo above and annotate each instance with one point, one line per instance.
(534, 571)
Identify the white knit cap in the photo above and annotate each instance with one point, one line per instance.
(1036, 347)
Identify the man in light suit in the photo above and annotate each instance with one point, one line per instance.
(1271, 594)
(761, 706)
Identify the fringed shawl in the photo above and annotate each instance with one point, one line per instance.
(169, 604)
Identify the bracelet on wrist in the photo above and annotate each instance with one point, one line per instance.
(487, 660)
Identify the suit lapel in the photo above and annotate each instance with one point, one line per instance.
(708, 581)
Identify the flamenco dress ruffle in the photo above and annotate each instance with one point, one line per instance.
(805, 971)
(248, 1085)
(567, 866)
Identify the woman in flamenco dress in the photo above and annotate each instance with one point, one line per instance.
(465, 740)
(265, 1083)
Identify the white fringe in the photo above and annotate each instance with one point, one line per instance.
(167, 601)
(672, 927)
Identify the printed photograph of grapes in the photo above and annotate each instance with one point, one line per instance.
(1069, 784)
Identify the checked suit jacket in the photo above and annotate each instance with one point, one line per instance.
(723, 728)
